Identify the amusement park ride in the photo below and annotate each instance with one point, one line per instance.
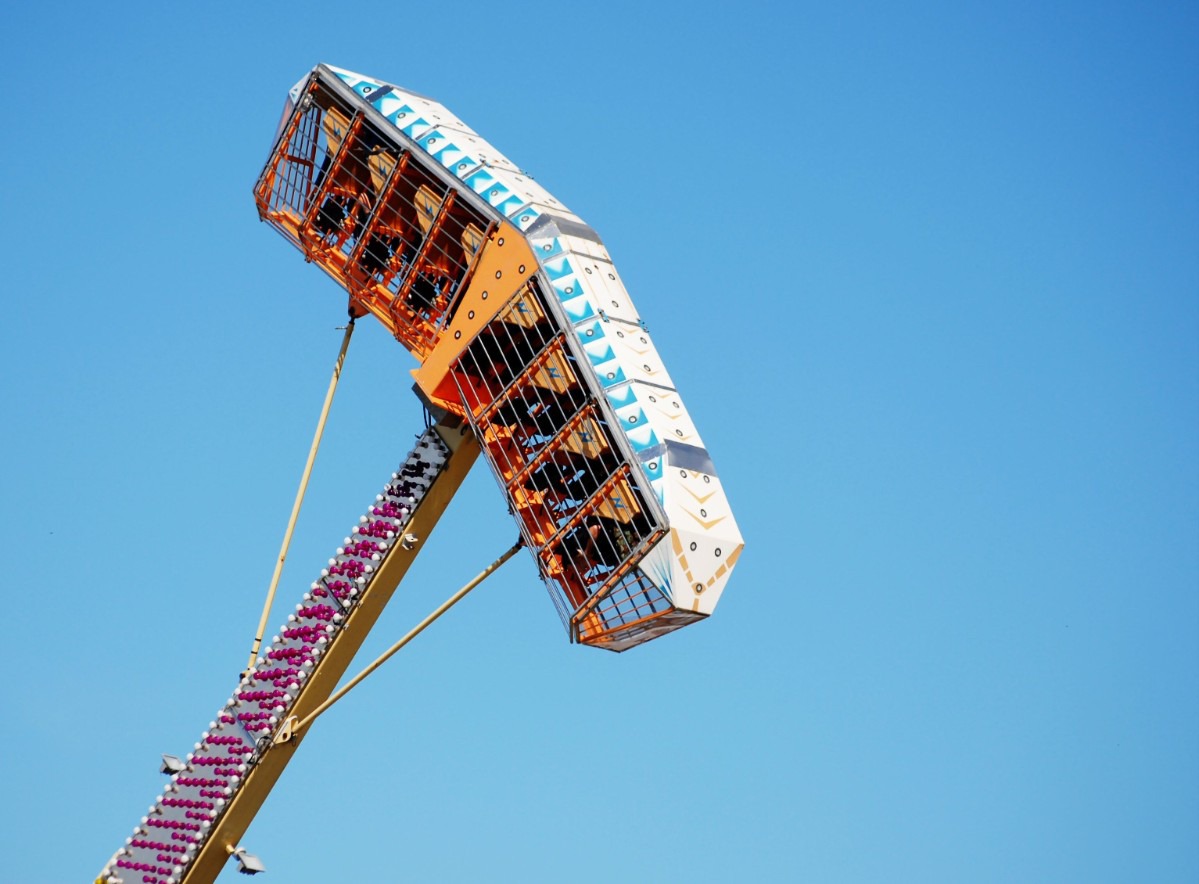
(531, 354)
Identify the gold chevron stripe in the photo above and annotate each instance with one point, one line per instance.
(705, 523)
(703, 499)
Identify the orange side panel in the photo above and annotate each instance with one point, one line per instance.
(505, 264)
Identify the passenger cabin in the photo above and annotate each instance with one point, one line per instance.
(524, 330)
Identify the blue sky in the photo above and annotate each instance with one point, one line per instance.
(928, 279)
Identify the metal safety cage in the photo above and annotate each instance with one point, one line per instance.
(372, 212)
(578, 499)
(414, 214)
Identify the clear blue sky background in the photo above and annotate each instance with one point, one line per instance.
(928, 278)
